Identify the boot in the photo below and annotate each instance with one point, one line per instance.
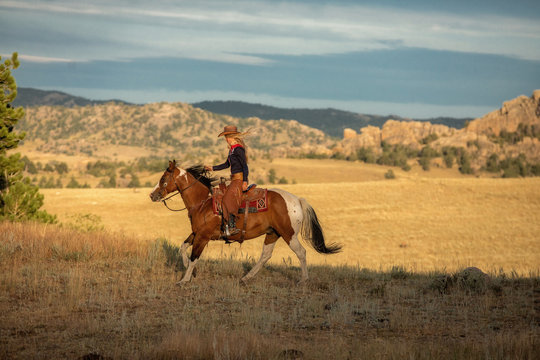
(230, 227)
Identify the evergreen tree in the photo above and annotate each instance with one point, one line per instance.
(19, 199)
(73, 183)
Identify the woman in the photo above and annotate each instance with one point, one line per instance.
(237, 160)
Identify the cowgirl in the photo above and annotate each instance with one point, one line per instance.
(237, 160)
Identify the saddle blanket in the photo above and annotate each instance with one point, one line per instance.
(256, 199)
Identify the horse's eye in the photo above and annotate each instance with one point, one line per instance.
(165, 184)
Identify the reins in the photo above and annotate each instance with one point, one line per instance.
(179, 192)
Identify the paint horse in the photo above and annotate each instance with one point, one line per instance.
(287, 217)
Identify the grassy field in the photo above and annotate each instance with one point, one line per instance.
(102, 284)
(71, 295)
(421, 223)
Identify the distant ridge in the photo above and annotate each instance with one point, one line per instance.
(36, 97)
(331, 121)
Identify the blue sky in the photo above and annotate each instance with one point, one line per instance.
(410, 58)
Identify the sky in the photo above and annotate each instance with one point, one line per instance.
(412, 58)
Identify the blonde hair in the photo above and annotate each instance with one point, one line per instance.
(239, 138)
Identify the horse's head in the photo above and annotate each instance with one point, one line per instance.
(167, 183)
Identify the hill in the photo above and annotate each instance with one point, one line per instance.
(35, 97)
(159, 128)
(331, 121)
(506, 140)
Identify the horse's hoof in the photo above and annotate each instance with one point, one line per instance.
(302, 282)
(243, 282)
(181, 283)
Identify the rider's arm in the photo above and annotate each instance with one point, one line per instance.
(225, 165)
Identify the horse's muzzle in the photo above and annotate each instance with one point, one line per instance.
(155, 196)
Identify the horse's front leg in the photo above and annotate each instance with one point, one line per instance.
(187, 243)
(199, 243)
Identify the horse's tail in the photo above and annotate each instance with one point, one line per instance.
(312, 231)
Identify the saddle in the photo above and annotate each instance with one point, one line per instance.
(254, 199)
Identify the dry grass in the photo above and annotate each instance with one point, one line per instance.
(422, 224)
(396, 291)
(66, 294)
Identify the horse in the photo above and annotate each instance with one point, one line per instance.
(287, 217)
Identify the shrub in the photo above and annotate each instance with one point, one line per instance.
(425, 162)
(492, 163)
(389, 174)
(514, 167)
(272, 176)
(29, 165)
(430, 138)
(448, 160)
(134, 182)
(85, 222)
(366, 155)
(73, 183)
(465, 164)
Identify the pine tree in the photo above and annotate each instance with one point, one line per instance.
(19, 199)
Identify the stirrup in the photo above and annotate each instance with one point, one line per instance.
(230, 232)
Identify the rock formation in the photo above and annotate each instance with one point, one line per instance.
(481, 137)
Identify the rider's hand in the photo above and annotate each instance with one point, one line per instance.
(207, 167)
(244, 186)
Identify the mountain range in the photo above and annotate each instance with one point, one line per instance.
(331, 121)
(36, 97)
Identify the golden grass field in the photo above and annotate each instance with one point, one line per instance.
(398, 289)
(419, 222)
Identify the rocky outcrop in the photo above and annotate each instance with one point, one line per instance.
(522, 110)
(412, 133)
(481, 137)
(349, 133)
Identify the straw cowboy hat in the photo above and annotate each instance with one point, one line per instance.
(229, 130)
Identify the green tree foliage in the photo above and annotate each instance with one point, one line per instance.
(426, 154)
(283, 180)
(492, 164)
(134, 182)
(449, 155)
(396, 155)
(389, 174)
(429, 139)
(465, 163)
(29, 165)
(73, 183)
(19, 199)
(272, 177)
(366, 155)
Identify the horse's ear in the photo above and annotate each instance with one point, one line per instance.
(172, 164)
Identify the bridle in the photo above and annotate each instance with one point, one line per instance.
(171, 174)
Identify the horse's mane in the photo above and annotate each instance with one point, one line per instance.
(198, 171)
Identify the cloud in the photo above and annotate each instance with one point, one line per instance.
(214, 29)
(418, 76)
(43, 59)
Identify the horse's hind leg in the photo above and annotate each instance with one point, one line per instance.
(300, 252)
(187, 243)
(268, 248)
